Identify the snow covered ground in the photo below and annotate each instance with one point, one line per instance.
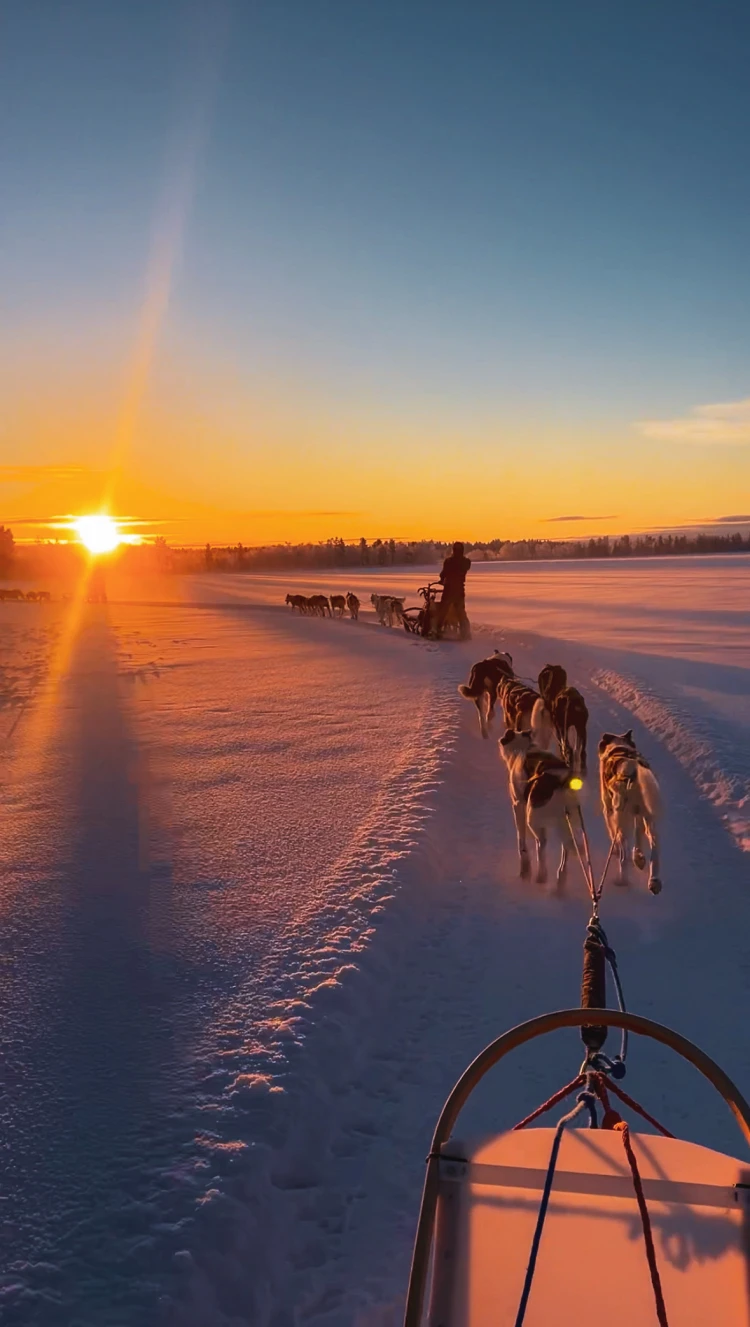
(260, 906)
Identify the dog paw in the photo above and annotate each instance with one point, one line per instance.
(639, 859)
(654, 885)
(525, 868)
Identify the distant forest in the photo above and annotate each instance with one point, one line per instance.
(49, 558)
(395, 552)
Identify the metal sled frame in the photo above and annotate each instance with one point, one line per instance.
(490, 1056)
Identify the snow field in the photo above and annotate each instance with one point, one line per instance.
(264, 908)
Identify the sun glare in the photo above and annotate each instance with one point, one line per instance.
(99, 534)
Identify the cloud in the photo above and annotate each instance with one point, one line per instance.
(726, 423)
(730, 520)
(32, 474)
(550, 520)
(295, 511)
(63, 522)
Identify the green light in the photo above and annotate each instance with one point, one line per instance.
(576, 784)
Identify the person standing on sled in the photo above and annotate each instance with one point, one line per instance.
(453, 581)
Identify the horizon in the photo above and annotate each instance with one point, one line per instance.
(397, 269)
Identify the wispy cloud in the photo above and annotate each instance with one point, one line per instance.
(296, 511)
(33, 474)
(730, 520)
(551, 520)
(727, 422)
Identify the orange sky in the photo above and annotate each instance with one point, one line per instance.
(209, 455)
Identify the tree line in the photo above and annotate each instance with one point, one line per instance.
(156, 555)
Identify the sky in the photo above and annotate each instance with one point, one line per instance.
(288, 269)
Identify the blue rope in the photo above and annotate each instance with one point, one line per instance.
(582, 1103)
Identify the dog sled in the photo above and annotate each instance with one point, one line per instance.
(530, 1228)
(423, 620)
(537, 1226)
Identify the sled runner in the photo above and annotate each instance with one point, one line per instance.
(544, 1227)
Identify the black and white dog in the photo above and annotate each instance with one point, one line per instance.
(631, 803)
(482, 685)
(542, 800)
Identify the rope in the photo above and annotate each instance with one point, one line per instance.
(601, 1090)
(580, 1105)
(595, 890)
(553, 1101)
(586, 867)
(661, 1311)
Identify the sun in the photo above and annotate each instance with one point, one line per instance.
(99, 534)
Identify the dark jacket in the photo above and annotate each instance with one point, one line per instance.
(453, 576)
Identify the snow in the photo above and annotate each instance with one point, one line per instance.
(261, 906)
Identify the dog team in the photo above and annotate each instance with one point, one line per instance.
(544, 783)
(319, 605)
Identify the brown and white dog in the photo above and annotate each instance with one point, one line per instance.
(631, 803)
(519, 708)
(542, 800)
(482, 686)
(562, 711)
(352, 603)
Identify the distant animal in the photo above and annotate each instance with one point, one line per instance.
(352, 603)
(43, 597)
(319, 604)
(541, 797)
(561, 710)
(631, 802)
(338, 605)
(389, 609)
(15, 595)
(297, 601)
(482, 686)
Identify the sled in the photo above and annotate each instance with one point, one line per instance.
(488, 1253)
(423, 621)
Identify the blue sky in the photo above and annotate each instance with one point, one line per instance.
(488, 216)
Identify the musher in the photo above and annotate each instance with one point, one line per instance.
(453, 581)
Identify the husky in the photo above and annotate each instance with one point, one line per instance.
(631, 803)
(561, 710)
(482, 686)
(542, 799)
(338, 605)
(390, 610)
(352, 603)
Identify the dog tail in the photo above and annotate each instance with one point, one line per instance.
(649, 790)
(541, 724)
(473, 688)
